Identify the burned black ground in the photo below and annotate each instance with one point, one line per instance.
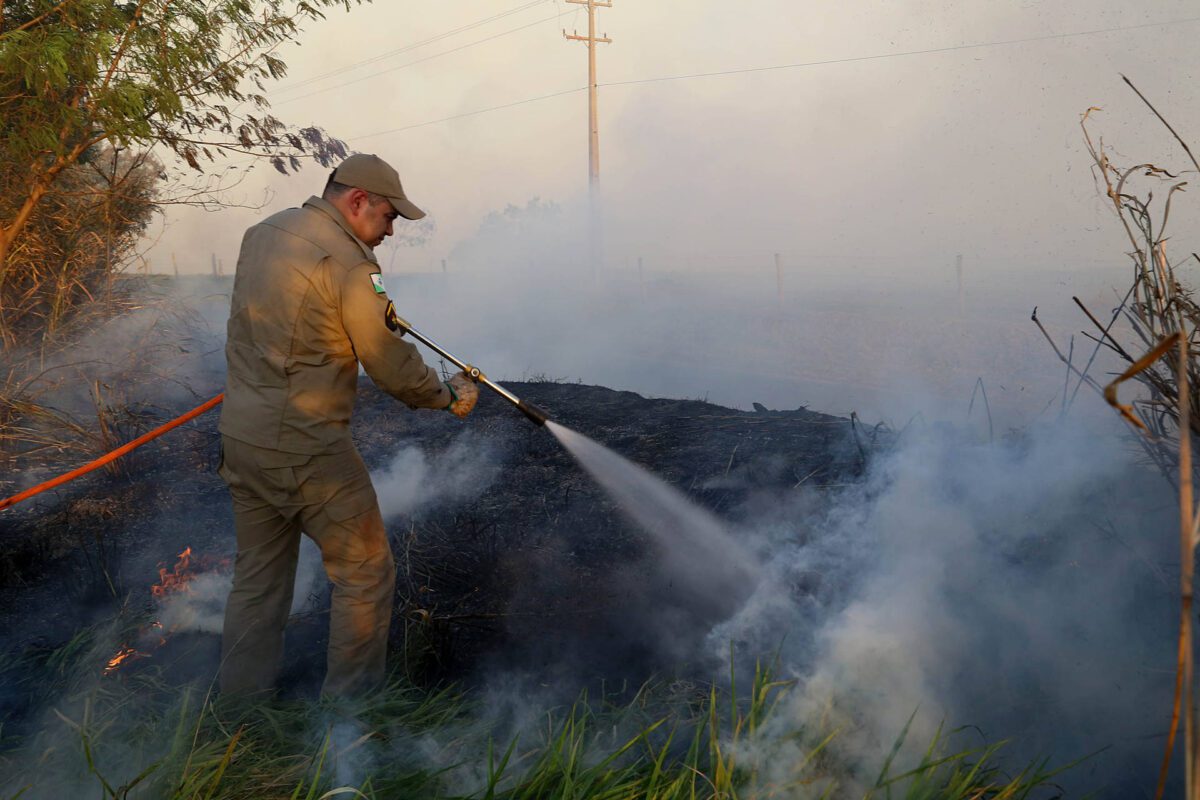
(535, 572)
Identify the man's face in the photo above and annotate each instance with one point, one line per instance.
(370, 221)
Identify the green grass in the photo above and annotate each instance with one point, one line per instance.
(135, 736)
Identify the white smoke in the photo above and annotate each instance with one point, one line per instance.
(1015, 587)
(413, 480)
(200, 606)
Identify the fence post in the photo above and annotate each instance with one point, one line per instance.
(959, 272)
(778, 279)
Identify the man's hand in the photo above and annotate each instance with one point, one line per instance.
(465, 394)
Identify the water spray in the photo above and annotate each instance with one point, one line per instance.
(397, 323)
(706, 565)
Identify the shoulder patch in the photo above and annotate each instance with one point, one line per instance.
(377, 282)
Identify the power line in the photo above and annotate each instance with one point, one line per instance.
(851, 59)
(418, 61)
(879, 56)
(413, 46)
(469, 113)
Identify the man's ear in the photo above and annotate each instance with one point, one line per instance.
(356, 199)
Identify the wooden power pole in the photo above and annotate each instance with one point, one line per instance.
(593, 123)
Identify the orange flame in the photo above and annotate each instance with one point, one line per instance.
(177, 580)
(170, 582)
(123, 655)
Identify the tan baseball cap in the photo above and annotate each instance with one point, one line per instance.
(372, 174)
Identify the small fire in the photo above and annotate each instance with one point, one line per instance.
(123, 655)
(176, 580)
(171, 582)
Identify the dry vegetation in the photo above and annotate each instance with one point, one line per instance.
(57, 283)
(112, 372)
(1158, 342)
(1159, 305)
(83, 233)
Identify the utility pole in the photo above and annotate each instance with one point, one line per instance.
(593, 123)
(595, 236)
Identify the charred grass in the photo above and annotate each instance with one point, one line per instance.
(515, 579)
(519, 577)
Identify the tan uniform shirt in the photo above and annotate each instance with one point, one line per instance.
(307, 307)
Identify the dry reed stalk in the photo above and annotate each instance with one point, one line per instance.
(1083, 376)
(1186, 564)
(1163, 315)
(1156, 305)
(1183, 704)
(1141, 365)
(981, 389)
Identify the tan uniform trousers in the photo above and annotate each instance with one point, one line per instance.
(329, 497)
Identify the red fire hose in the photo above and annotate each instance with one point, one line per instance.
(114, 455)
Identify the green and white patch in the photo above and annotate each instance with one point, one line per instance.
(377, 282)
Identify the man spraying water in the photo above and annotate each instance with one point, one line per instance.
(308, 307)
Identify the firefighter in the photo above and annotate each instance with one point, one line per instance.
(308, 307)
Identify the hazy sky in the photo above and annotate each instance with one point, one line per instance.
(892, 161)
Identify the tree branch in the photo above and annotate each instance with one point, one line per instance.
(35, 21)
(117, 56)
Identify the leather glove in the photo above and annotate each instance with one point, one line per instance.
(465, 394)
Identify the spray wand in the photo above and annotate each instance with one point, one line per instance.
(397, 323)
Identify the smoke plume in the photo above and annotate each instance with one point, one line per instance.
(1017, 587)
